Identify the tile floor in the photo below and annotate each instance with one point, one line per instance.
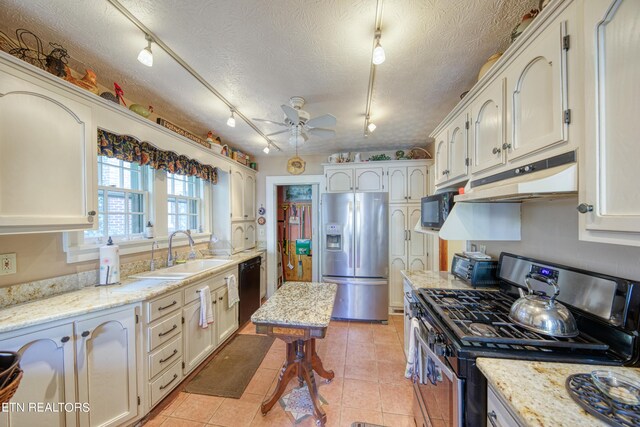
(369, 386)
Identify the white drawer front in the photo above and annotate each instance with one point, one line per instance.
(191, 293)
(165, 356)
(497, 413)
(166, 382)
(164, 330)
(163, 306)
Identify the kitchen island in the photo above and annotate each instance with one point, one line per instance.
(534, 393)
(298, 313)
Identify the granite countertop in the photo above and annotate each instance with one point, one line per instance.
(304, 304)
(535, 391)
(434, 280)
(96, 298)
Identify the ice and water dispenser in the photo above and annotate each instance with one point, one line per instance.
(333, 237)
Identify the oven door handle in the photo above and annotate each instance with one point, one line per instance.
(439, 367)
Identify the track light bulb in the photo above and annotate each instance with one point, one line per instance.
(146, 56)
(371, 127)
(231, 121)
(378, 54)
(266, 149)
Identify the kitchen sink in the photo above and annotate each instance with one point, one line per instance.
(182, 271)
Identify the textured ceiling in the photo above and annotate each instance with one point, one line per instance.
(259, 53)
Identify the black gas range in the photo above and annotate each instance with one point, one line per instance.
(459, 325)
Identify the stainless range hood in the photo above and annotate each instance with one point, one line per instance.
(529, 182)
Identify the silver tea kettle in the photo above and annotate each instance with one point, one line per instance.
(541, 313)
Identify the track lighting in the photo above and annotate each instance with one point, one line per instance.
(231, 121)
(146, 56)
(266, 149)
(371, 127)
(378, 51)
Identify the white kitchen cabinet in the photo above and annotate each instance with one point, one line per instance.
(198, 342)
(48, 363)
(237, 195)
(263, 276)
(47, 157)
(407, 249)
(407, 184)
(497, 412)
(441, 156)
(487, 127)
(609, 201)
(339, 180)
(237, 237)
(250, 235)
(107, 368)
(369, 179)
(452, 146)
(249, 206)
(537, 94)
(227, 317)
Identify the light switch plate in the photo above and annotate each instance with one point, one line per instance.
(8, 264)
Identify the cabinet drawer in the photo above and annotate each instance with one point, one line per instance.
(497, 413)
(165, 330)
(166, 382)
(191, 293)
(165, 356)
(163, 306)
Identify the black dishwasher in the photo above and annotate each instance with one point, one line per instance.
(248, 289)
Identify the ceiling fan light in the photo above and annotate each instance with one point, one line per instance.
(146, 56)
(266, 149)
(231, 121)
(378, 55)
(371, 127)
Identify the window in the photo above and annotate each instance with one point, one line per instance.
(122, 201)
(184, 198)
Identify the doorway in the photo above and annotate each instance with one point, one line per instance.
(292, 191)
(295, 224)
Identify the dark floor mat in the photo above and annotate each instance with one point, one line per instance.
(229, 372)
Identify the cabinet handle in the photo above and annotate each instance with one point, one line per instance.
(92, 213)
(583, 208)
(350, 188)
(167, 306)
(214, 302)
(410, 196)
(220, 298)
(175, 351)
(496, 150)
(162, 387)
(161, 334)
(409, 231)
(246, 216)
(85, 334)
(493, 418)
(65, 339)
(506, 146)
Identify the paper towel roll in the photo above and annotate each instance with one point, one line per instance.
(109, 264)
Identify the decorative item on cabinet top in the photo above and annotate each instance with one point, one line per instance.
(487, 65)
(182, 132)
(526, 21)
(53, 62)
(379, 157)
(129, 149)
(141, 110)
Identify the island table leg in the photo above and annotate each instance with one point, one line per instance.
(316, 363)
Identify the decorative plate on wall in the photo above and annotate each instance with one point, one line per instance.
(295, 165)
(261, 220)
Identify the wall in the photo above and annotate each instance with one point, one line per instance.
(550, 232)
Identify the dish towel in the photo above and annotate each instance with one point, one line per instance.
(206, 312)
(232, 288)
(413, 360)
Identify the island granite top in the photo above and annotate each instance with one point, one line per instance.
(305, 304)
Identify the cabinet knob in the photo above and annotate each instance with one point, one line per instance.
(410, 196)
(214, 302)
(92, 213)
(583, 208)
(496, 150)
(65, 339)
(85, 334)
(220, 298)
(506, 146)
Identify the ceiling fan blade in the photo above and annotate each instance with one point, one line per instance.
(270, 122)
(280, 131)
(324, 121)
(322, 133)
(304, 136)
(291, 113)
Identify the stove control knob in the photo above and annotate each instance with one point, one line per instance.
(441, 349)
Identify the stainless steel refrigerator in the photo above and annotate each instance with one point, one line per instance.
(355, 249)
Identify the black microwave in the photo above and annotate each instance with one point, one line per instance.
(436, 208)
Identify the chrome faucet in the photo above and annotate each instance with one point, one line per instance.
(154, 245)
(192, 253)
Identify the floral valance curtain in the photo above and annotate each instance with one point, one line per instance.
(129, 149)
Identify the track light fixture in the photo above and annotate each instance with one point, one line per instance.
(378, 52)
(371, 127)
(231, 121)
(266, 149)
(146, 56)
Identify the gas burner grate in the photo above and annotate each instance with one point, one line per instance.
(462, 311)
(585, 393)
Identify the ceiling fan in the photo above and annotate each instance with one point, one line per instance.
(299, 124)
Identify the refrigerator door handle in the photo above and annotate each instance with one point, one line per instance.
(354, 281)
(357, 240)
(350, 208)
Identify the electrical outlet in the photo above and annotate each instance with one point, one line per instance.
(261, 232)
(8, 264)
